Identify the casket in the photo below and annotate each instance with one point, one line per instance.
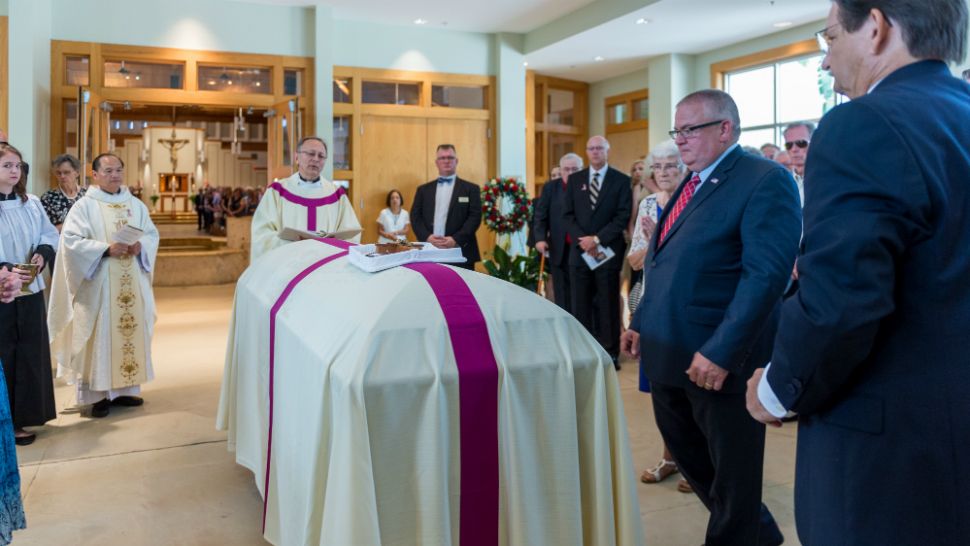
(421, 405)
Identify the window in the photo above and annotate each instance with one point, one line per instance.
(458, 96)
(77, 70)
(341, 143)
(143, 74)
(560, 107)
(235, 79)
(771, 96)
(390, 93)
(341, 90)
(292, 81)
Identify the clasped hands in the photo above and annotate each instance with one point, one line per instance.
(702, 372)
(442, 242)
(117, 250)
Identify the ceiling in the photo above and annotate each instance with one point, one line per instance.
(674, 26)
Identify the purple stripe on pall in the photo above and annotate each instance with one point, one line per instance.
(311, 203)
(477, 404)
(272, 358)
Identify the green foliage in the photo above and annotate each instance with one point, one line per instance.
(520, 270)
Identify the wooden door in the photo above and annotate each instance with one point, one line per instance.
(627, 147)
(471, 141)
(283, 128)
(395, 154)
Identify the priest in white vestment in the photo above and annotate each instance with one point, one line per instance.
(102, 310)
(305, 201)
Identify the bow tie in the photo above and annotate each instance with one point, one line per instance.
(445, 180)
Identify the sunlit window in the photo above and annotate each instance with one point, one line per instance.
(770, 97)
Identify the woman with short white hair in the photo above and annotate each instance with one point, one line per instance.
(668, 170)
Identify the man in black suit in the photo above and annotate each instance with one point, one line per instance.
(596, 209)
(870, 350)
(448, 211)
(550, 228)
(714, 274)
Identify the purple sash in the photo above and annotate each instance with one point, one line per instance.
(477, 396)
(311, 204)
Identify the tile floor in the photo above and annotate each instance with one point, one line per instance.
(161, 475)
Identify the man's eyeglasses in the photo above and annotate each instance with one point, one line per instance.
(824, 39)
(693, 130)
(447, 158)
(319, 155)
(800, 143)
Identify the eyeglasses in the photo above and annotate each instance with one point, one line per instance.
(12, 166)
(665, 167)
(109, 172)
(568, 169)
(800, 143)
(319, 155)
(693, 130)
(824, 39)
(595, 148)
(447, 158)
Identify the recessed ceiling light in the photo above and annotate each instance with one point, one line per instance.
(598, 58)
(643, 21)
(525, 63)
(420, 21)
(783, 24)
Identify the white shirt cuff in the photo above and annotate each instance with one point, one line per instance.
(768, 398)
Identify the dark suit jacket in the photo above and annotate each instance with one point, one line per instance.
(870, 350)
(715, 284)
(464, 215)
(550, 223)
(607, 222)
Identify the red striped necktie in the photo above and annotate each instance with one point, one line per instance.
(680, 205)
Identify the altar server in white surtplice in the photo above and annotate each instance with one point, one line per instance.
(305, 201)
(102, 310)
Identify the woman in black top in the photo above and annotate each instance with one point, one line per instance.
(58, 202)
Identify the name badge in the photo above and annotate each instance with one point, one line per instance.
(462, 199)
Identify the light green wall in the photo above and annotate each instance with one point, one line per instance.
(510, 145)
(323, 70)
(215, 25)
(601, 90)
(371, 45)
(703, 62)
(4, 7)
(30, 95)
(671, 79)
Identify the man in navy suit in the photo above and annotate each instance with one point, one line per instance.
(870, 350)
(448, 211)
(714, 274)
(597, 208)
(550, 228)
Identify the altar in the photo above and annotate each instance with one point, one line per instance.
(421, 405)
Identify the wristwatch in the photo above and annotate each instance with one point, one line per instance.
(596, 239)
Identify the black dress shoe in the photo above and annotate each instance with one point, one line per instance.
(130, 401)
(616, 363)
(100, 409)
(25, 440)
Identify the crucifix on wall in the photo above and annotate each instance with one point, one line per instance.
(173, 145)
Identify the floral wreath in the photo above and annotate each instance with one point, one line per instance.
(513, 192)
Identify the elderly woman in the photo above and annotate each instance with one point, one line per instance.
(664, 162)
(57, 202)
(28, 241)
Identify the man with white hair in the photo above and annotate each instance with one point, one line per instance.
(550, 228)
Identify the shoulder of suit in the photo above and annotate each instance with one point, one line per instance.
(610, 171)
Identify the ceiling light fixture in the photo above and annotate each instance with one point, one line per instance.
(598, 58)
(525, 63)
(643, 21)
(420, 21)
(782, 24)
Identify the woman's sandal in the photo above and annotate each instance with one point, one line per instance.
(659, 473)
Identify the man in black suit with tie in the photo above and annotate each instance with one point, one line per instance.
(597, 208)
(550, 228)
(714, 274)
(870, 350)
(448, 211)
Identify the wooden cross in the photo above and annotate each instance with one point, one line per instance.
(173, 145)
